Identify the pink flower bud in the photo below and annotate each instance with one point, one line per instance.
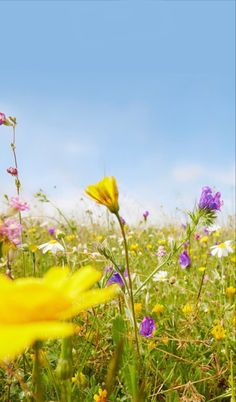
(2, 118)
(13, 171)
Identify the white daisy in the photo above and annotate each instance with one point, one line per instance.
(160, 276)
(222, 249)
(52, 246)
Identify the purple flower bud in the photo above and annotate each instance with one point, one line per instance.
(116, 278)
(108, 268)
(147, 327)
(210, 201)
(2, 118)
(184, 259)
(145, 215)
(123, 221)
(197, 236)
(51, 231)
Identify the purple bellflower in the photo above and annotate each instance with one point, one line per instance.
(147, 327)
(184, 259)
(116, 278)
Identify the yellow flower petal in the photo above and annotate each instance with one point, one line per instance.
(30, 307)
(105, 192)
(14, 339)
(90, 298)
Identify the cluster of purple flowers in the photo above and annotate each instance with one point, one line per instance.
(210, 201)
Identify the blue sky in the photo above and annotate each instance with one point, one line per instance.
(142, 90)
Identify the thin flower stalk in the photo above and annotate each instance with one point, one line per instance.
(169, 256)
(130, 281)
(200, 287)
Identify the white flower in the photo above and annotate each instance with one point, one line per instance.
(213, 228)
(222, 249)
(171, 241)
(160, 276)
(52, 246)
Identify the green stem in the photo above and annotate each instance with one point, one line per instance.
(170, 255)
(63, 216)
(64, 369)
(232, 377)
(18, 185)
(34, 264)
(200, 288)
(13, 147)
(36, 375)
(130, 282)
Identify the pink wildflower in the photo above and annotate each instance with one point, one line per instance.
(161, 252)
(11, 229)
(19, 205)
(2, 118)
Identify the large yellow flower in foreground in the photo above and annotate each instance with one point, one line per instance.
(32, 308)
(105, 192)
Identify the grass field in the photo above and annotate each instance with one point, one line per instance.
(158, 326)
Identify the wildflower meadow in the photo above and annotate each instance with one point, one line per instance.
(110, 311)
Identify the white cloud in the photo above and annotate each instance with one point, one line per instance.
(79, 149)
(225, 176)
(187, 173)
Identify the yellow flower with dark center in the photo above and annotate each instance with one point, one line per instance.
(32, 308)
(105, 192)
